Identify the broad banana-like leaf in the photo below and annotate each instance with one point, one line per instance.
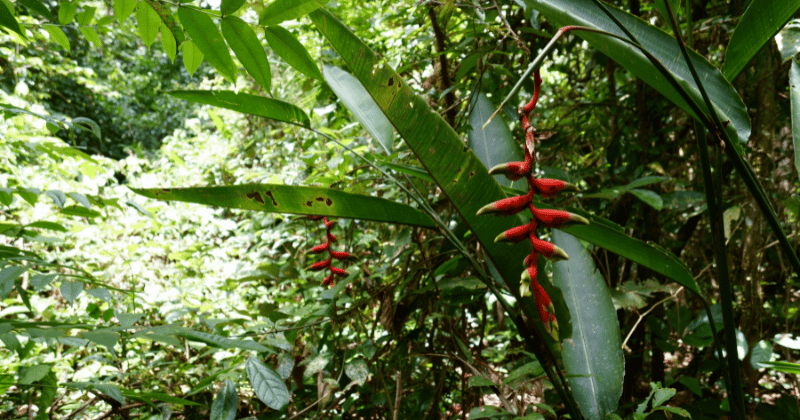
(664, 47)
(593, 356)
(297, 200)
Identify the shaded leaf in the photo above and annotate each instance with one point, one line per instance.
(123, 9)
(794, 94)
(593, 357)
(663, 46)
(7, 277)
(71, 290)
(248, 49)
(38, 7)
(206, 37)
(267, 384)
(192, 56)
(759, 23)
(148, 22)
(57, 35)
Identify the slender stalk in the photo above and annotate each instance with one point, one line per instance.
(735, 392)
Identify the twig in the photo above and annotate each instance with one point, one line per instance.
(80, 409)
(641, 316)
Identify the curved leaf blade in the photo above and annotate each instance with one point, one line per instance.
(207, 38)
(192, 56)
(148, 21)
(292, 51)
(123, 9)
(593, 357)
(664, 47)
(267, 384)
(282, 10)
(168, 42)
(225, 403)
(357, 100)
(485, 142)
(8, 20)
(229, 6)
(759, 23)
(244, 43)
(296, 200)
(247, 104)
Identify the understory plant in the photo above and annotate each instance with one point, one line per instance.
(418, 304)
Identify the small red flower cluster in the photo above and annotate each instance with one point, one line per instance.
(332, 254)
(550, 218)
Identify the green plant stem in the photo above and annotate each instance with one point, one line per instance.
(735, 392)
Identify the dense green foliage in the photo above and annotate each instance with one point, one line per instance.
(117, 304)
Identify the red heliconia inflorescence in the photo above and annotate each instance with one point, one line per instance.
(339, 255)
(547, 217)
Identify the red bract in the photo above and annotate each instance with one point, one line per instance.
(547, 217)
(339, 255)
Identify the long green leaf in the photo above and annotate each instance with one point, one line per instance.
(759, 23)
(282, 10)
(361, 105)
(487, 142)
(225, 403)
(248, 49)
(297, 200)
(457, 171)
(593, 357)
(246, 103)
(794, 93)
(8, 20)
(291, 50)
(664, 47)
(207, 38)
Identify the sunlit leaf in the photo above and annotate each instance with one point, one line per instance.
(281, 10)
(208, 39)
(248, 49)
(759, 23)
(292, 51)
(225, 402)
(66, 12)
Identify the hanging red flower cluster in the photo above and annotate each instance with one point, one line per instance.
(339, 255)
(550, 218)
